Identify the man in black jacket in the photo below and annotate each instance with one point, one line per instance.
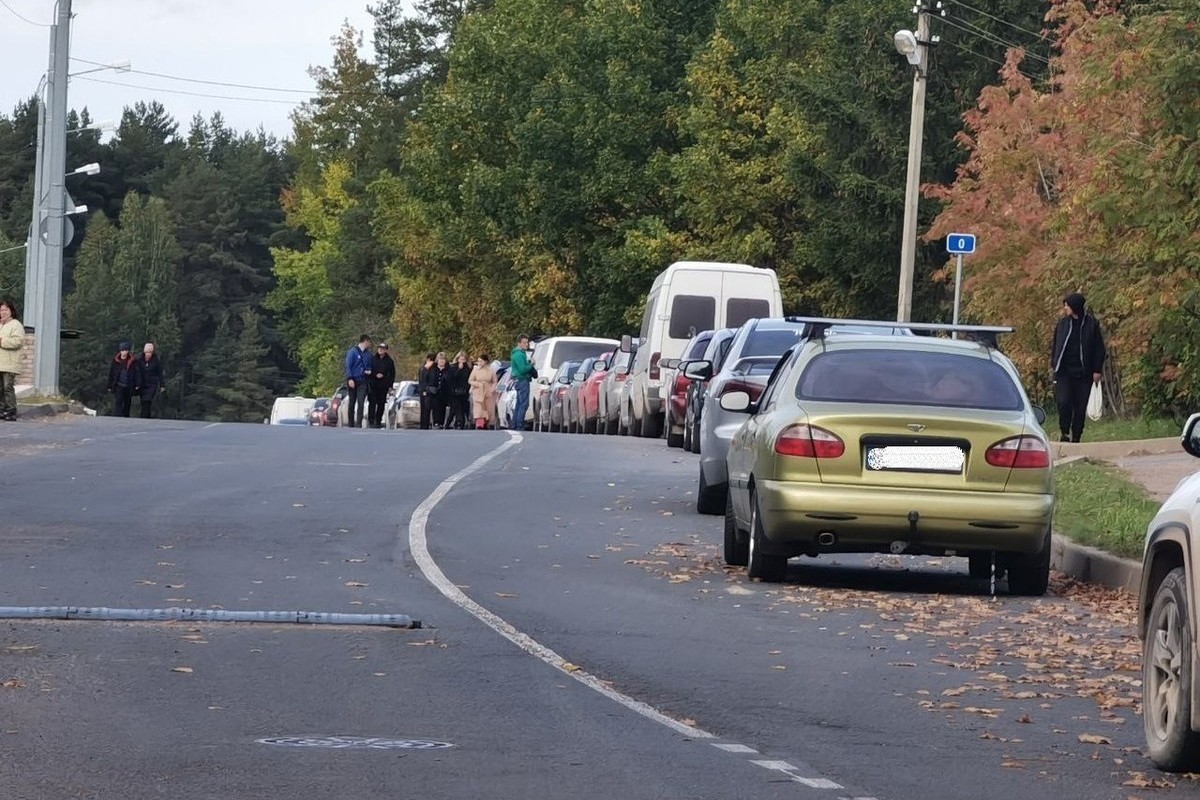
(148, 378)
(1077, 361)
(383, 375)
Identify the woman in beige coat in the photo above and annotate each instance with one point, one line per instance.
(483, 391)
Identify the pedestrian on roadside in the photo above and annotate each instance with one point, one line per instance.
(1077, 360)
(12, 339)
(427, 387)
(522, 371)
(122, 375)
(148, 379)
(459, 380)
(383, 375)
(483, 391)
(441, 396)
(358, 366)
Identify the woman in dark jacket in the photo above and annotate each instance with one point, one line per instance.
(149, 380)
(441, 397)
(122, 377)
(428, 385)
(459, 380)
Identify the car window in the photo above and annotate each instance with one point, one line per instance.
(739, 310)
(771, 393)
(576, 351)
(690, 314)
(648, 315)
(566, 370)
(771, 341)
(697, 346)
(909, 377)
(722, 352)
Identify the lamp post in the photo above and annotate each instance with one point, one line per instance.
(915, 48)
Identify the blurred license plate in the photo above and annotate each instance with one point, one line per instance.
(915, 458)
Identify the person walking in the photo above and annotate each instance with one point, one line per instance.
(426, 388)
(459, 381)
(383, 375)
(12, 339)
(122, 375)
(441, 395)
(358, 366)
(1077, 360)
(148, 379)
(522, 372)
(483, 391)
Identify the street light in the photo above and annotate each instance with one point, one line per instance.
(86, 169)
(116, 66)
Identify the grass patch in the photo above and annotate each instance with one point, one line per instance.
(1096, 505)
(1110, 429)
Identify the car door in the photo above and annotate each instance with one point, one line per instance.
(746, 451)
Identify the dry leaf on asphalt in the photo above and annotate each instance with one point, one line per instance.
(184, 670)
(569, 667)
(1140, 780)
(12, 683)
(357, 584)
(506, 594)
(1092, 738)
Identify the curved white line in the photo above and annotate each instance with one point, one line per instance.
(419, 545)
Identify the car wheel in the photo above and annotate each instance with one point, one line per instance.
(635, 424)
(765, 567)
(696, 439)
(1167, 678)
(651, 426)
(737, 546)
(687, 436)
(709, 499)
(673, 439)
(610, 426)
(1029, 573)
(979, 566)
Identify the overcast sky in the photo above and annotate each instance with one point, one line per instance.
(254, 42)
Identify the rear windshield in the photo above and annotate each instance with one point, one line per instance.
(771, 342)
(740, 310)
(576, 351)
(697, 346)
(898, 377)
(759, 365)
(690, 314)
(408, 390)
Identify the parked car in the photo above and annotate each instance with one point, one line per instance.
(611, 400)
(718, 348)
(335, 416)
(319, 414)
(291, 411)
(501, 370)
(1169, 599)
(686, 298)
(507, 402)
(548, 355)
(753, 353)
(572, 416)
(673, 377)
(550, 411)
(892, 444)
(587, 409)
(403, 409)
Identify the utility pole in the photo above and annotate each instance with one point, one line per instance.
(916, 135)
(54, 175)
(32, 311)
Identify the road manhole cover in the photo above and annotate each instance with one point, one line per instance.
(354, 743)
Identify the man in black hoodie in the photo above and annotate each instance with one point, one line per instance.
(383, 375)
(1077, 361)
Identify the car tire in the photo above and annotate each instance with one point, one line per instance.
(687, 437)
(611, 426)
(635, 424)
(764, 566)
(673, 439)
(737, 545)
(709, 499)
(651, 426)
(979, 566)
(1167, 678)
(696, 438)
(1029, 573)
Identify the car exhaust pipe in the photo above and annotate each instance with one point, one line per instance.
(827, 538)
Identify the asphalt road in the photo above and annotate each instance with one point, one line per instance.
(885, 678)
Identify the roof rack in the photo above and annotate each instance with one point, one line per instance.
(987, 335)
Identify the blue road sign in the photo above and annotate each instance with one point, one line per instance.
(961, 244)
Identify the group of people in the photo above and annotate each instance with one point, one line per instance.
(458, 394)
(131, 376)
(12, 339)
(369, 376)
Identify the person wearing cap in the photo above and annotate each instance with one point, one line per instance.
(122, 374)
(12, 339)
(148, 379)
(383, 375)
(1077, 360)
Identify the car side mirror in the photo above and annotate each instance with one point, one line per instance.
(626, 344)
(738, 402)
(1039, 414)
(670, 363)
(698, 371)
(1191, 435)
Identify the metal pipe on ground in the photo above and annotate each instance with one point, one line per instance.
(102, 614)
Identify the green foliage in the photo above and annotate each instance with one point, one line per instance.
(1096, 505)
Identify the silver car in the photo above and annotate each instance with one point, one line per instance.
(404, 406)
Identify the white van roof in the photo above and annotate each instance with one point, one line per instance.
(708, 266)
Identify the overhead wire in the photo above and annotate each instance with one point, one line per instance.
(22, 17)
(994, 18)
(192, 94)
(977, 54)
(978, 32)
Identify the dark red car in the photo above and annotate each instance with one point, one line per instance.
(588, 414)
(677, 401)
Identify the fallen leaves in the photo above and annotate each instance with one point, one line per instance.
(1092, 738)
(12, 683)
(567, 666)
(182, 670)
(1140, 780)
(357, 584)
(507, 595)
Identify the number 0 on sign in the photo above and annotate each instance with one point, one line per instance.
(962, 244)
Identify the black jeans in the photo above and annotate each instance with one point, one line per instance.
(437, 410)
(122, 400)
(376, 399)
(460, 410)
(357, 397)
(1071, 397)
(147, 404)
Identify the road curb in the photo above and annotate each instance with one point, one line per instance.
(1110, 451)
(38, 410)
(1094, 566)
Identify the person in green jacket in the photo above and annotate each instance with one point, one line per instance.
(522, 372)
(12, 339)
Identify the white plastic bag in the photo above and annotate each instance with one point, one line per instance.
(1095, 407)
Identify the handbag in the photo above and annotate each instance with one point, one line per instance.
(533, 373)
(1095, 406)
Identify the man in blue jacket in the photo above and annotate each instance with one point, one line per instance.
(358, 366)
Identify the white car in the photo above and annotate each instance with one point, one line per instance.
(291, 411)
(1170, 599)
(549, 355)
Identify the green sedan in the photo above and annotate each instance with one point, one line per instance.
(866, 444)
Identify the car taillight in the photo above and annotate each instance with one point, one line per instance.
(1019, 452)
(561, 392)
(654, 373)
(753, 389)
(681, 384)
(809, 441)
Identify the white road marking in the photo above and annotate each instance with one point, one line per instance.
(777, 766)
(790, 771)
(213, 425)
(736, 748)
(419, 545)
